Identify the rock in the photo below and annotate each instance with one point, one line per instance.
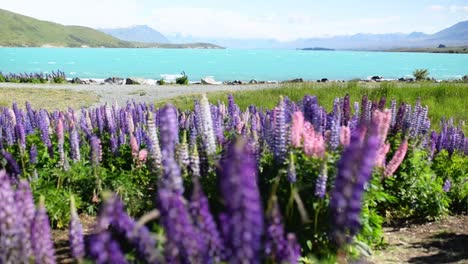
(442, 46)
(324, 80)
(134, 81)
(465, 78)
(114, 80)
(209, 80)
(253, 81)
(376, 78)
(297, 80)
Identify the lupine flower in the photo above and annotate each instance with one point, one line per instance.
(60, 141)
(207, 121)
(182, 241)
(171, 179)
(25, 216)
(447, 185)
(113, 214)
(12, 166)
(41, 237)
(33, 154)
(96, 151)
(280, 248)
(398, 157)
(76, 233)
(242, 222)
(354, 171)
(154, 150)
(106, 250)
(335, 133)
(346, 111)
(204, 222)
(314, 144)
(280, 132)
(297, 129)
(74, 143)
(8, 222)
(345, 135)
(194, 161)
(134, 146)
(20, 136)
(292, 176)
(321, 184)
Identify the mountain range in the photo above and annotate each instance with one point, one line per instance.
(141, 33)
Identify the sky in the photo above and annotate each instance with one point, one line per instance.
(282, 20)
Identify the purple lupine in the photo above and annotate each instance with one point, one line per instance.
(207, 126)
(364, 102)
(8, 222)
(44, 129)
(106, 250)
(183, 242)
(182, 152)
(76, 233)
(60, 141)
(433, 144)
(25, 216)
(113, 214)
(153, 146)
(20, 136)
(447, 185)
(281, 248)
(354, 171)
(168, 132)
(280, 132)
(13, 168)
(346, 111)
(33, 154)
(41, 237)
(203, 220)
(335, 129)
(321, 184)
(242, 221)
(74, 143)
(96, 151)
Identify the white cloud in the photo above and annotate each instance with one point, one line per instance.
(436, 7)
(450, 8)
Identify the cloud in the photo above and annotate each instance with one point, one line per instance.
(449, 8)
(436, 7)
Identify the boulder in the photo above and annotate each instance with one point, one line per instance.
(209, 80)
(324, 80)
(114, 80)
(253, 81)
(134, 81)
(376, 78)
(297, 80)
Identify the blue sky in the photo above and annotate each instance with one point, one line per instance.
(282, 20)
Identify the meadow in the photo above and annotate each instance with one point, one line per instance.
(298, 174)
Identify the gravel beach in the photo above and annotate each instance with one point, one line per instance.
(146, 93)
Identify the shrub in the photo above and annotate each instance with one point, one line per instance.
(421, 74)
(161, 81)
(183, 79)
(2, 78)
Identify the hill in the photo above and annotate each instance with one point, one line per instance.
(23, 31)
(143, 34)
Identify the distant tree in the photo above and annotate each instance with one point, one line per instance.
(420, 74)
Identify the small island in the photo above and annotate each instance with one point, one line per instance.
(317, 49)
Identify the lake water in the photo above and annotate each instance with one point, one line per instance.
(230, 64)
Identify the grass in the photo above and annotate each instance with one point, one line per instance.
(50, 99)
(443, 99)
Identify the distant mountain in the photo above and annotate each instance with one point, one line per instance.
(23, 31)
(143, 34)
(457, 32)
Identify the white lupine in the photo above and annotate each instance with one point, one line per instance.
(155, 150)
(207, 126)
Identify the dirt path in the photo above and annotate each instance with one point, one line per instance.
(439, 242)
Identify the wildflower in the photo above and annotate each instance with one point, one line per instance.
(398, 157)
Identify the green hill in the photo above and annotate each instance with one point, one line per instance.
(22, 31)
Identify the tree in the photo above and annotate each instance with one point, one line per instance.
(420, 74)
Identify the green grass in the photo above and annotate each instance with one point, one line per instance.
(443, 99)
(50, 99)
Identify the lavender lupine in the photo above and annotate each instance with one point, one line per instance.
(194, 159)
(96, 151)
(280, 132)
(44, 129)
(278, 245)
(321, 184)
(203, 220)
(8, 223)
(25, 216)
(60, 141)
(76, 233)
(74, 143)
(242, 222)
(292, 176)
(113, 214)
(33, 154)
(20, 136)
(447, 185)
(171, 178)
(354, 171)
(207, 125)
(104, 249)
(41, 236)
(183, 242)
(12, 166)
(182, 152)
(154, 150)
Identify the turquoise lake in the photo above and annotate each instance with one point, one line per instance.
(230, 64)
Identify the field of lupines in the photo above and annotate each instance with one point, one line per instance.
(219, 184)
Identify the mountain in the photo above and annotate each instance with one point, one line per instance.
(457, 32)
(142, 33)
(19, 30)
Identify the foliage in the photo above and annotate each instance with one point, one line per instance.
(183, 79)
(421, 74)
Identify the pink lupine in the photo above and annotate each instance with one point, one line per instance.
(134, 146)
(345, 136)
(399, 156)
(309, 138)
(381, 154)
(142, 155)
(297, 129)
(382, 119)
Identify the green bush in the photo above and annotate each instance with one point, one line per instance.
(183, 79)
(421, 74)
(161, 81)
